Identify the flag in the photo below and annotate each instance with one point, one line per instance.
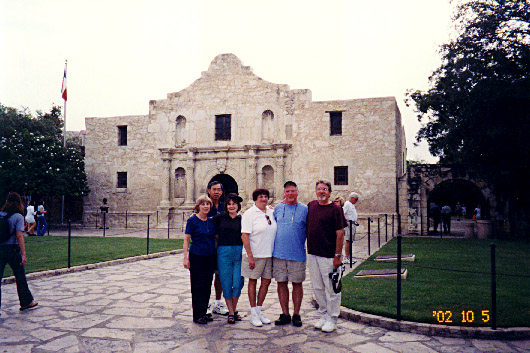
(63, 89)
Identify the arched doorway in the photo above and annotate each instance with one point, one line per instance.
(450, 192)
(229, 184)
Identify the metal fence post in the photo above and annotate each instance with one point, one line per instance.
(148, 234)
(97, 220)
(168, 219)
(126, 219)
(392, 226)
(493, 290)
(399, 277)
(369, 221)
(104, 223)
(386, 227)
(351, 243)
(69, 240)
(378, 232)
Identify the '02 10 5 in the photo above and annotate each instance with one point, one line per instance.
(468, 316)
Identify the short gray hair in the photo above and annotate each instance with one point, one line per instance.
(354, 195)
(325, 182)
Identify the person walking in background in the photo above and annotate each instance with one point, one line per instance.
(13, 249)
(325, 238)
(42, 225)
(289, 254)
(476, 214)
(435, 214)
(258, 230)
(30, 218)
(350, 213)
(215, 192)
(229, 249)
(200, 259)
(446, 218)
(458, 211)
(339, 201)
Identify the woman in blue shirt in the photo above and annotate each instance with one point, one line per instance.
(201, 257)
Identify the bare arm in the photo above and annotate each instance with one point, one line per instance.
(21, 245)
(246, 245)
(185, 247)
(338, 247)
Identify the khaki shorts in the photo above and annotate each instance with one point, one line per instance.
(347, 233)
(288, 270)
(263, 268)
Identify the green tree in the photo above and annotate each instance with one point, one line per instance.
(33, 160)
(476, 115)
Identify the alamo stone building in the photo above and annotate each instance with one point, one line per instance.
(230, 125)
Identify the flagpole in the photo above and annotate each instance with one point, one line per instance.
(64, 139)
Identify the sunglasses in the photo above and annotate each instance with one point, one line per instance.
(268, 219)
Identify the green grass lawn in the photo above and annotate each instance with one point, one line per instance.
(449, 276)
(47, 253)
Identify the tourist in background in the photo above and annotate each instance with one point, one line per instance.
(258, 229)
(350, 213)
(30, 218)
(200, 259)
(339, 200)
(13, 250)
(42, 225)
(229, 249)
(446, 218)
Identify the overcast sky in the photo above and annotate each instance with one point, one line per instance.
(121, 54)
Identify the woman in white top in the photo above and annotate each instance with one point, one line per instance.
(258, 230)
(30, 218)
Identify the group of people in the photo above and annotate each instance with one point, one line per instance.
(443, 215)
(262, 244)
(35, 219)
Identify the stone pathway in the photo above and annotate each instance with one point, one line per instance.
(145, 306)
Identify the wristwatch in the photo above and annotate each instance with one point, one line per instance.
(338, 255)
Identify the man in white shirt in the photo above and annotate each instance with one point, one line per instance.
(350, 213)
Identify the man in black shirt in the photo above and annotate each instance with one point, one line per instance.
(215, 191)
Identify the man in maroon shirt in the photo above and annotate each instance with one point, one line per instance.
(325, 236)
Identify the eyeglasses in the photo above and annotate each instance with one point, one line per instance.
(292, 218)
(322, 189)
(268, 219)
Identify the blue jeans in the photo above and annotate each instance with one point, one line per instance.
(42, 225)
(10, 254)
(229, 265)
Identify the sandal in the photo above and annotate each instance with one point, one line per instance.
(237, 317)
(29, 306)
(231, 319)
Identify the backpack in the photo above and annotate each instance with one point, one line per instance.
(5, 231)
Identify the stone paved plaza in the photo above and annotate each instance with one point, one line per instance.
(145, 306)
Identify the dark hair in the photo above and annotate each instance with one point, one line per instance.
(290, 183)
(13, 204)
(258, 192)
(104, 200)
(325, 182)
(233, 200)
(215, 182)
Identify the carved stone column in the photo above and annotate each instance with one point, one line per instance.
(190, 179)
(251, 175)
(166, 160)
(279, 177)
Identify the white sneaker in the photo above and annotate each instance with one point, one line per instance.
(209, 309)
(320, 323)
(255, 320)
(263, 318)
(329, 327)
(220, 309)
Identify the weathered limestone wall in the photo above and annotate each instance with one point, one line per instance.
(368, 146)
(104, 159)
(277, 134)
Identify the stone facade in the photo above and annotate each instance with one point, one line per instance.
(275, 134)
